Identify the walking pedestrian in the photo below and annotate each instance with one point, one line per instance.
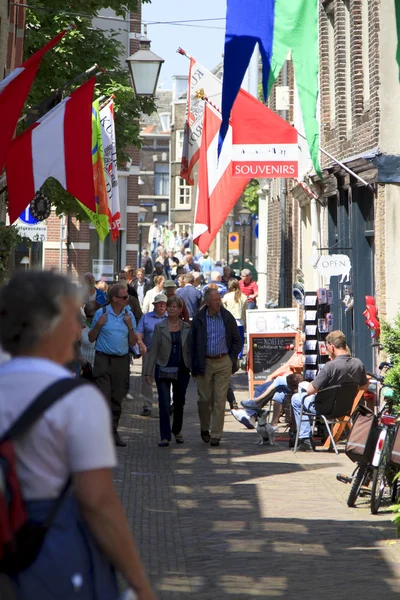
(215, 345)
(236, 303)
(88, 536)
(144, 332)
(170, 290)
(190, 295)
(169, 362)
(113, 329)
(158, 288)
(92, 293)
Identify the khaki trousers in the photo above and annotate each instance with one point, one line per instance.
(146, 389)
(212, 388)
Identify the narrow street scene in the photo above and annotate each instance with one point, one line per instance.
(242, 521)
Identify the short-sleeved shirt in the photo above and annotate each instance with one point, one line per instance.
(73, 435)
(248, 289)
(113, 336)
(343, 369)
(146, 327)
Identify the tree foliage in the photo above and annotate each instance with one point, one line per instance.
(390, 338)
(79, 50)
(250, 196)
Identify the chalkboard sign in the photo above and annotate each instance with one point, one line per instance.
(269, 352)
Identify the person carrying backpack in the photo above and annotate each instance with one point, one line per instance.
(63, 533)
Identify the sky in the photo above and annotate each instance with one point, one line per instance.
(204, 43)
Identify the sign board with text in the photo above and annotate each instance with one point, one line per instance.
(103, 270)
(36, 233)
(267, 353)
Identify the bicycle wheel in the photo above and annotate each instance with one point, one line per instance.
(356, 485)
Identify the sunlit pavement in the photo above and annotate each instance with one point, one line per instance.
(242, 521)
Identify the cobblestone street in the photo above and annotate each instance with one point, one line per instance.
(242, 521)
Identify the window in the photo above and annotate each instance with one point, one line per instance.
(181, 228)
(161, 179)
(165, 121)
(183, 194)
(365, 52)
(179, 144)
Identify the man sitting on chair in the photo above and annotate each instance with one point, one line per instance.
(341, 369)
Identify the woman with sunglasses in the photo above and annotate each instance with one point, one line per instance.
(169, 360)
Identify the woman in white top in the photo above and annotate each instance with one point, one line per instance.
(158, 288)
(89, 536)
(236, 303)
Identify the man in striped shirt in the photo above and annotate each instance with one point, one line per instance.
(216, 344)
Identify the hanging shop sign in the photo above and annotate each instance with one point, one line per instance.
(332, 265)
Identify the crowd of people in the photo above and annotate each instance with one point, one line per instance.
(51, 328)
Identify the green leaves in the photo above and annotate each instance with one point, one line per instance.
(79, 50)
(251, 196)
(390, 337)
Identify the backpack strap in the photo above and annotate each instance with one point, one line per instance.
(104, 309)
(40, 404)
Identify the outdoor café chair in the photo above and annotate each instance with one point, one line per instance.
(331, 404)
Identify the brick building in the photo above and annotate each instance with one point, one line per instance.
(154, 176)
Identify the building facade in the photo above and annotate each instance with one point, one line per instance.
(154, 176)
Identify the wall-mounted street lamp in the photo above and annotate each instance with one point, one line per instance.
(245, 218)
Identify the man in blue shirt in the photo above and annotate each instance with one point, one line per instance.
(144, 333)
(215, 346)
(113, 330)
(191, 295)
(216, 279)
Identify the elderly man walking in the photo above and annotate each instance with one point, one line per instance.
(215, 347)
(145, 332)
(113, 330)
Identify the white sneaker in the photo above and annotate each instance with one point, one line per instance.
(243, 418)
(129, 396)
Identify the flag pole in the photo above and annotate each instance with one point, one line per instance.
(338, 162)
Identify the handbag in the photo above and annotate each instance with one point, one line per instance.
(168, 373)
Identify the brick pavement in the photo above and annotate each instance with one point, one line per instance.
(242, 521)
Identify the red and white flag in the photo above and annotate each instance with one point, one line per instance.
(201, 82)
(218, 191)
(59, 145)
(110, 167)
(14, 90)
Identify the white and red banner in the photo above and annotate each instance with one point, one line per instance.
(14, 90)
(201, 81)
(264, 145)
(217, 191)
(59, 145)
(110, 166)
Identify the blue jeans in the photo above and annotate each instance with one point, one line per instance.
(280, 392)
(305, 425)
(251, 305)
(179, 387)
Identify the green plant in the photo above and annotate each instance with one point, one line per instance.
(9, 239)
(250, 196)
(390, 339)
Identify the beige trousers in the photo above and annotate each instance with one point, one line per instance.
(212, 388)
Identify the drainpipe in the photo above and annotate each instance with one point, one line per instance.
(314, 237)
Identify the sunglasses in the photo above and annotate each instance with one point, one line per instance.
(123, 297)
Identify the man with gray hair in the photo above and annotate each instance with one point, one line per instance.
(113, 329)
(215, 346)
(191, 296)
(216, 279)
(249, 288)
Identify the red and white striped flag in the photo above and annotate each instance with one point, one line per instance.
(218, 191)
(59, 145)
(14, 90)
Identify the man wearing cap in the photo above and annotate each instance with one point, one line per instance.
(249, 288)
(155, 236)
(144, 334)
(190, 295)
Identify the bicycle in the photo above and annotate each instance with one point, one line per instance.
(364, 472)
(384, 471)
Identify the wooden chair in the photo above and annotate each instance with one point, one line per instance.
(331, 405)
